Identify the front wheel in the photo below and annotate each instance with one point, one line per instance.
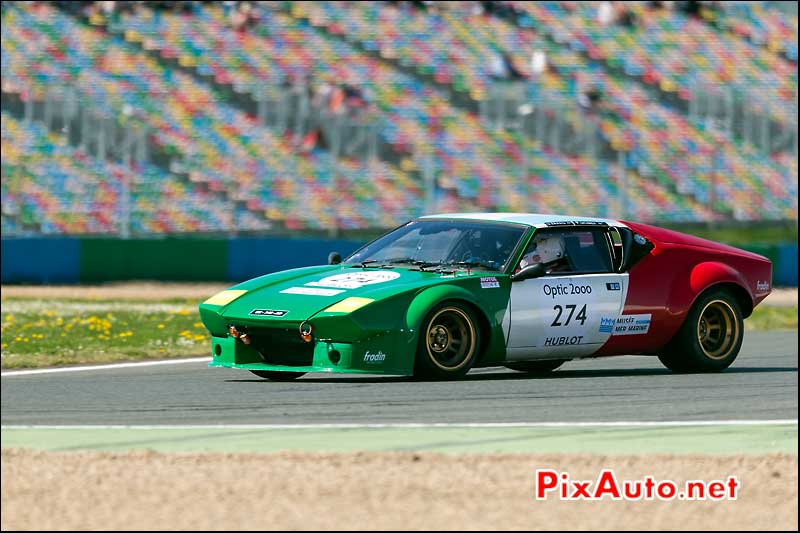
(275, 375)
(449, 343)
(710, 338)
(537, 367)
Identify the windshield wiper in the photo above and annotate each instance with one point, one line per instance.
(363, 264)
(422, 265)
(490, 265)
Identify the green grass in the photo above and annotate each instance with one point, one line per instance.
(742, 235)
(765, 318)
(39, 333)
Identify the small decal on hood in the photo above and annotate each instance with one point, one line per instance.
(490, 282)
(354, 280)
(268, 312)
(310, 291)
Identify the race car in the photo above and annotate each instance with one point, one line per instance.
(442, 294)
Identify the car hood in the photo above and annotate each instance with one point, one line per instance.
(300, 294)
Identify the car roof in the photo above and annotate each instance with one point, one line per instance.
(538, 220)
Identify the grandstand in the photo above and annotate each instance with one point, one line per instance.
(360, 115)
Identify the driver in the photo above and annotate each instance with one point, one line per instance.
(548, 251)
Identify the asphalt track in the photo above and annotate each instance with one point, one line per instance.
(761, 385)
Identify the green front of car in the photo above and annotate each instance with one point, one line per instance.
(355, 319)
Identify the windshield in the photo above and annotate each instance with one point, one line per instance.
(427, 243)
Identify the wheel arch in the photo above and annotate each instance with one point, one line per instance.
(425, 301)
(738, 292)
(713, 275)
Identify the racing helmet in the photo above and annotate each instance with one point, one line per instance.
(548, 250)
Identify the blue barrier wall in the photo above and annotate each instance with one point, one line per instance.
(785, 268)
(252, 257)
(41, 260)
(74, 260)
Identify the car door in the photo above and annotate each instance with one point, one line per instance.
(571, 309)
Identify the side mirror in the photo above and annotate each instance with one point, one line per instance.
(334, 258)
(529, 272)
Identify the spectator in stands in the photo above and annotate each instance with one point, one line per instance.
(691, 8)
(107, 8)
(516, 74)
(73, 8)
(626, 17)
(243, 16)
(336, 102)
(605, 13)
(228, 7)
(539, 67)
(590, 98)
(498, 69)
(354, 98)
(538, 62)
(502, 67)
(321, 95)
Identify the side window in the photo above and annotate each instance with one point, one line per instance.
(569, 251)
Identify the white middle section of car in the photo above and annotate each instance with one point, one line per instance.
(355, 280)
(556, 316)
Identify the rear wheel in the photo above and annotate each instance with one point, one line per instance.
(448, 344)
(710, 338)
(537, 367)
(275, 375)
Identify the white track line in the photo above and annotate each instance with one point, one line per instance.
(688, 423)
(13, 373)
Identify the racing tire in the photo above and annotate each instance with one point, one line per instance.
(276, 375)
(449, 342)
(537, 367)
(710, 338)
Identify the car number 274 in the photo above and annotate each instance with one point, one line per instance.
(560, 311)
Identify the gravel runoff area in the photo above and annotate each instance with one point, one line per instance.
(155, 291)
(153, 491)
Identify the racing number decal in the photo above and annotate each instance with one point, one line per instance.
(580, 316)
(562, 314)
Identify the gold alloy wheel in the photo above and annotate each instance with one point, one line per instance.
(450, 338)
(717, 329)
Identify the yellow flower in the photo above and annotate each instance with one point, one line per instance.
(161, 326)
(198, 324)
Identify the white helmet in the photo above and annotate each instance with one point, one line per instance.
(550, 249)
(547, 250)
